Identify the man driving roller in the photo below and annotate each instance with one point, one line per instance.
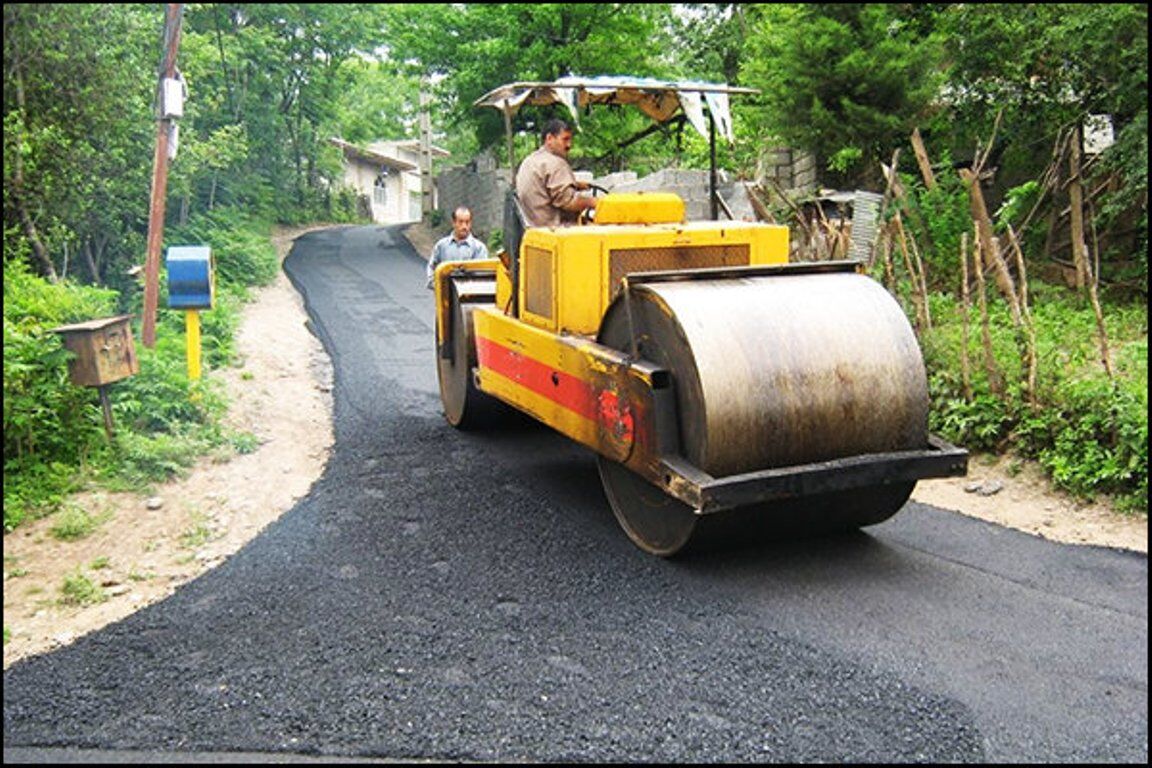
(545, 185)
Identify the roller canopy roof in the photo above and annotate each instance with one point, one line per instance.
(659, 99)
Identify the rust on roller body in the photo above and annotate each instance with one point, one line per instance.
(765, 378)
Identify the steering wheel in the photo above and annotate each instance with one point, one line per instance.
(588, 215)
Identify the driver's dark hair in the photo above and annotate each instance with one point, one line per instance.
(554, 127)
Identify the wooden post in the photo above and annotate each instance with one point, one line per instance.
(173, 14)
(922, 159)
(508, 135)
(713, 195)
(192, 342)
(990, 254)
(1076, 200)
(106, 406)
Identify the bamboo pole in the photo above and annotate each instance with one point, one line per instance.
(886, 251)
(920, 279)
(921, 310)
(1094, 297)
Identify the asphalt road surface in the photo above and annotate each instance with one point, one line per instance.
(469, 597)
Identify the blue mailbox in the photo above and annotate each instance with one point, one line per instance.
(191, 282)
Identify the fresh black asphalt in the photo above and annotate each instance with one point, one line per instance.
(442, 595)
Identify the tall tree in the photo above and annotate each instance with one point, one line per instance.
(707, 40)
(1044, 68)
(278, 71)
(473, 48)
(79, 81)
(846, 82)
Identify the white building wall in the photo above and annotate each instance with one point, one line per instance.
(403, 188)
(361, 176)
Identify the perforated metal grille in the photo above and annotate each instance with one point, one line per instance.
(538, 287)
(624, 261)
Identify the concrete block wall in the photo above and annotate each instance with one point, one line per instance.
(481, 190)
(692, 186)
(793, 170)
(481, 186)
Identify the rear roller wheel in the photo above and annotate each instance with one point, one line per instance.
(465, 407)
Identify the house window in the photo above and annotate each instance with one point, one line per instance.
(380, 188)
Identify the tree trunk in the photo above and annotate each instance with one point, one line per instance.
(39, 252)
(90, 262)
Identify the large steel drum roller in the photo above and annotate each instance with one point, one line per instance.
(771, 371)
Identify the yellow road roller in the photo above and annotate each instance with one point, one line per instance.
(724, 390)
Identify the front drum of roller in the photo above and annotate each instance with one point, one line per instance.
(772, 371)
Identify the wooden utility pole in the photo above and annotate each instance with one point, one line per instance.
(425, 150)
(173, 17)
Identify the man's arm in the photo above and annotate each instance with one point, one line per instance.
(562, 188)
(433, 260)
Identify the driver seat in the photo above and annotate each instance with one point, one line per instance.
(515, 222)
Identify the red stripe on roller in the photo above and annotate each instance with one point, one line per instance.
(564, 389)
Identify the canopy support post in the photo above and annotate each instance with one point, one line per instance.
(712, 198)
(507, 110)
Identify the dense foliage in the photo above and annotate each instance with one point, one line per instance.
(54, 434)
(270, 84)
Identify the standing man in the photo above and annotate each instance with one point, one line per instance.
(545, 183)
(458, 246)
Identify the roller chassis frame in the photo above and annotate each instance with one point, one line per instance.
(649, 407)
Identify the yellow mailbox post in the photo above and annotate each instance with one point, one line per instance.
(191, 287)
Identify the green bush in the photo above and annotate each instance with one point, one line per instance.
(50, 426)
(241, 247)
(54, 436)
(1089, 432)
(938, 219)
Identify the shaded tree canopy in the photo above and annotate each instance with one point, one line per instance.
(269, 84)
